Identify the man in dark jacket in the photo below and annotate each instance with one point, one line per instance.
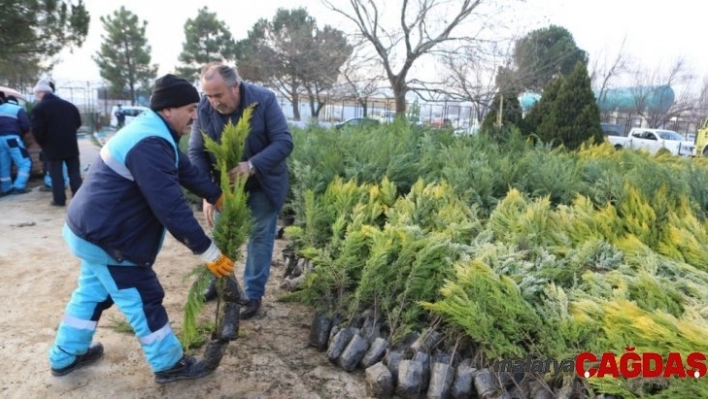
(268, 145)
(55, 123)
(116, 225)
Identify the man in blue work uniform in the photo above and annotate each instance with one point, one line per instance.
(116, 225)
(268, 145)
(13, 125)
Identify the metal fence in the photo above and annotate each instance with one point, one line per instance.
(455, 114)
(628, 121)
(96, 112)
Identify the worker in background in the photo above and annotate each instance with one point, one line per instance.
(14, 124)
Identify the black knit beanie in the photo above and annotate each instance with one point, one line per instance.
(171, 91)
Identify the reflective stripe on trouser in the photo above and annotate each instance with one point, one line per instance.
(12, 150)
(137, 293)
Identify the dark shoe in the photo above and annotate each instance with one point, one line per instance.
(187, 368)
(20, 191)
(91, 356)
(45, 189)
(250, 309)
(52, 203)
(210, 293)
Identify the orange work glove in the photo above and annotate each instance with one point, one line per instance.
(222, 266)
(219, 203)
(218, 264)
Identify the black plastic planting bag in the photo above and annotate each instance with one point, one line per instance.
(214, 352)
(231, 292)
(319, 332)
(229, 322)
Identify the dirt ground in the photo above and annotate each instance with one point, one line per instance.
(38, 274)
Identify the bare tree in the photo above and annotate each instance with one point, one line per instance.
(360, 77)
(421, 26)
(470, 75)
(604, 71)
(328, 52)
(701, 111)
(660, 97)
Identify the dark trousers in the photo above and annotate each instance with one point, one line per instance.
(73, 168)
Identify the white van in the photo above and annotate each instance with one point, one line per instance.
(130, 111)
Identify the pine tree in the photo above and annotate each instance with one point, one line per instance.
(206, 40)
(41, 28)
(543, 111)
(124, 57)
(543, 54)
(575, 116)
(232, 227)
(21, 71)
(511, 112)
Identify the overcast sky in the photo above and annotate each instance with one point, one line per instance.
(656, 33)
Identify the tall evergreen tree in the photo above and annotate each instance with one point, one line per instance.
(124, 57)
(34, 31)
(206, 40)
(544, 108)
(511, 112)
(21, 71)
(539, 57)
(577, 111)
(567, 113)
(41, 27)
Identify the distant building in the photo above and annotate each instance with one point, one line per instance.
(630, 99)
(622, 105)
(622, 100)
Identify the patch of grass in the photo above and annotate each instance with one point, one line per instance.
(121, 326)
(203, 332)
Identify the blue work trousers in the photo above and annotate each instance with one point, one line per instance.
(137, 293)
(12, 150)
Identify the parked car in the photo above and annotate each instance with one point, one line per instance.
(469, 131)
(440, 123)
(357, 122)
(387, 116)
(307, 124)
(653, 140)
(612, 129)
(10, 92)
(131, 112)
